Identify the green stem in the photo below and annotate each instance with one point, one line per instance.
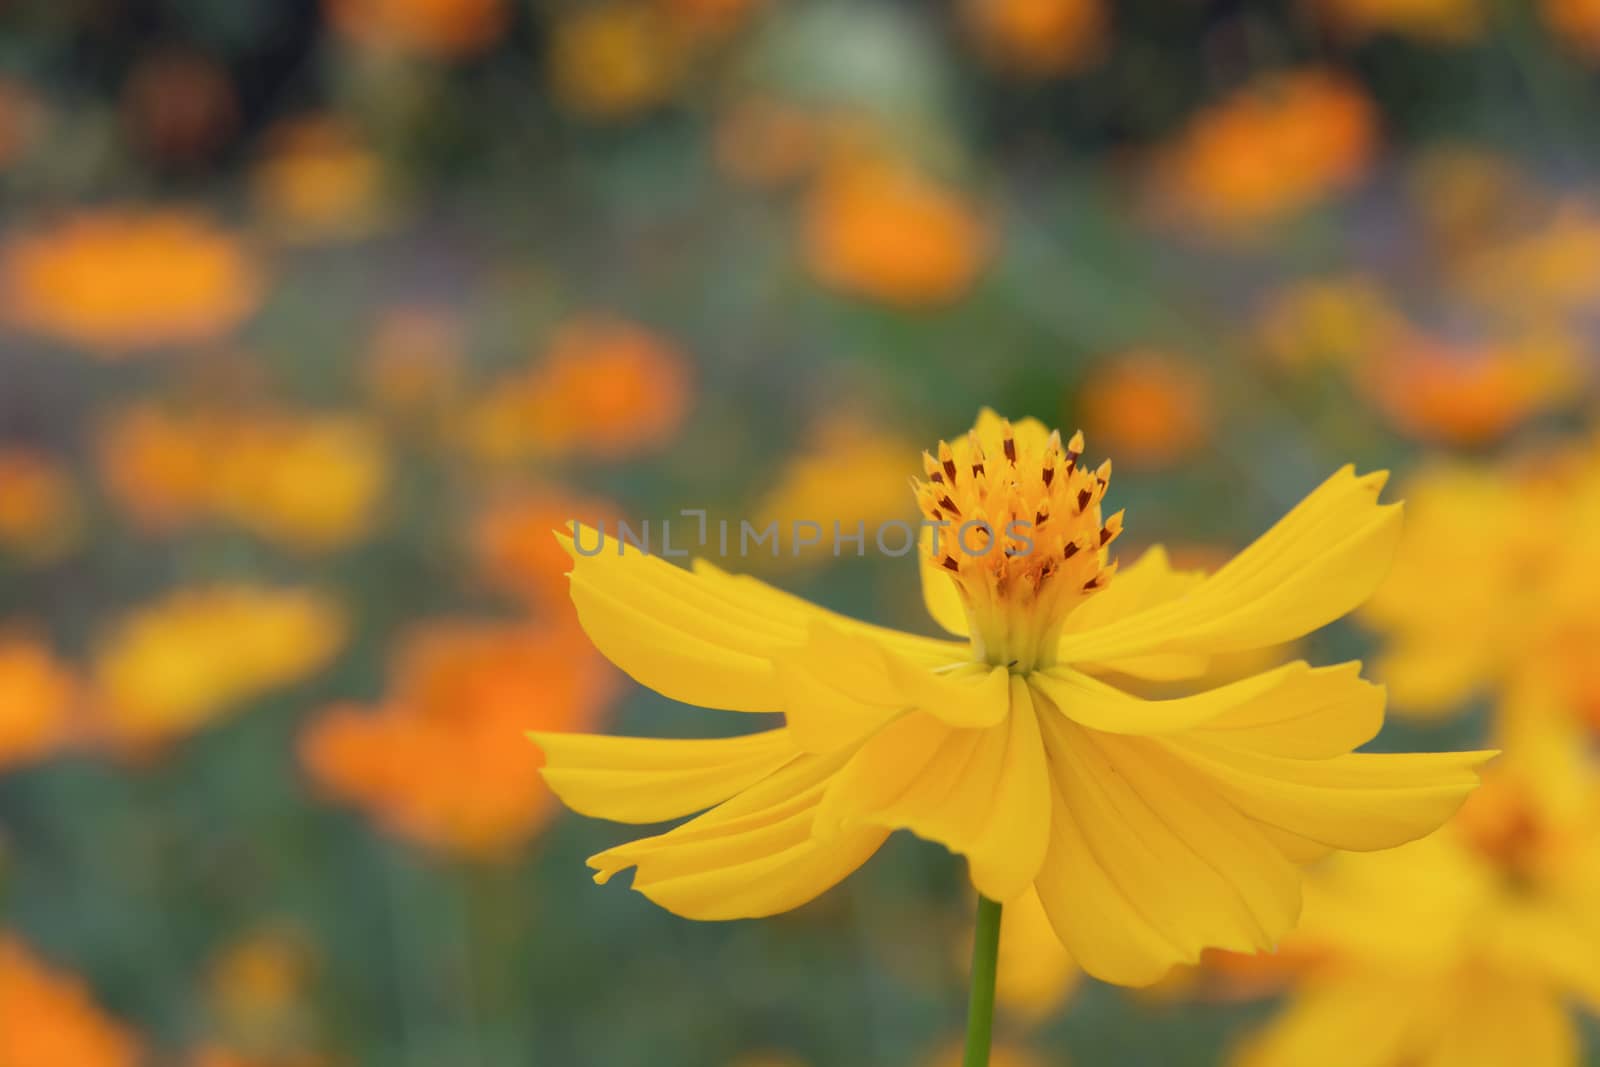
(980, 1008)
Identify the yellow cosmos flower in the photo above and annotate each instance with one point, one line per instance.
(176, 665)
(1461, 950)
(1484, 599)
(1149, 829)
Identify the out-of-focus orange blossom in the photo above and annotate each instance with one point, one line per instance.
(411, 367)
(884, 230)
(1451, 21)
(259, 996)
(1550, 269)
(49, 1018)
(440, 29)
(710, 19)
(613, 59)
(177, 664)
(1576, 20)
(38, 698)
(767, 142)
(312, 482)
(316, 179)
(222, 1056)
(1276, 147)
(1037, 38)
(443, 760)
(39, 510)
(119, 280)
(514, 543)
(1463, 395)
(1147, 407)
(603, 387)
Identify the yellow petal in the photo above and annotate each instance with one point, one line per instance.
(641, 780)
(983, 793)
(1320, 712)
(700, 637)
(1192, 866)
(1360, 802)
(1261, 707)
(751, 856)
(1150, 581)
(1316, 564)
(1496, 1022)
(939, 593)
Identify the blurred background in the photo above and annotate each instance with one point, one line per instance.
(317, 317)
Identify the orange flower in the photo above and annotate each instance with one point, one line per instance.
(604, 388)
(1038, 38)
(614, 59)
(1273, 149)
(49, 1019)
(175, 665)
(38, 505)
(311, 482)
(1150, 408)
(883, 230)
(179, 105)
(1576, 20)
(317, 180)
(412, 363)
(37, 698)
(1337, 321)
(514, 543)
(442, 29)
(443, 761)
(1469, 395)
(120, 280)
(1449, 21)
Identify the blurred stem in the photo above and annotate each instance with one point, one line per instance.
(980, 1006)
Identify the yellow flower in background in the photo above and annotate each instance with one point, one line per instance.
(175, 665)
(317, 180)
(1007, 745)
(49, 1018)
(312, 482)
(440, 29)
(1336, 321)
(1552, 269)
(432, 764)
(1446, 21)
(1151, 408)
(116, 281)
(1036, 977)
(1463, 949)
(603, 387)
(1469, 394)
(1038, 38)
(848, 472)
(1002, 1055)
(38, 696)
(613, 59)
(39, 510)
(885, 231)
(1496, 586)
(258, 994)
(1275, 148)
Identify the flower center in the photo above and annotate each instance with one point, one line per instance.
(1015, 523)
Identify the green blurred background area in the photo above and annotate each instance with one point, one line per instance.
(317, 317)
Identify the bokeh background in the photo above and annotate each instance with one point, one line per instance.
(316, 318)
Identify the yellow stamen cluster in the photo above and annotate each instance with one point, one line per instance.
(1021, 536)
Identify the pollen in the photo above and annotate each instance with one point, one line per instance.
(1014, 518)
